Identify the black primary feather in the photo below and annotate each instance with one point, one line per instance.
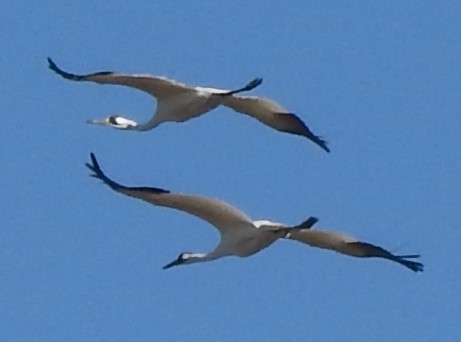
(52, 65)
(98, 173)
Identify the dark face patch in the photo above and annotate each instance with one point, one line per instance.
(181, 258)
(113, 120)
(178, 261)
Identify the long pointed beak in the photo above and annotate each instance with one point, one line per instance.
(96, 121)
(171, 264)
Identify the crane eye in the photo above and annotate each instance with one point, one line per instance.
(113, 120)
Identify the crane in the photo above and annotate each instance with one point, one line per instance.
(240, 235)
(178, 102)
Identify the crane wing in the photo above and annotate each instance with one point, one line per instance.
(273, 115)
(351, 246)
(221, 215)
(158, 86)
(324, 239)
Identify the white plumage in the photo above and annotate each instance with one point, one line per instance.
(178, 102)
(240, 235)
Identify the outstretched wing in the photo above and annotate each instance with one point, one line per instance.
(221, 215)
(273, 115)
(158, 86)
(351, 246)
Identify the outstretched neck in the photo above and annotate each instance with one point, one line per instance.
(142, 128)
(147, 126)
(198, 257)
(202, 257)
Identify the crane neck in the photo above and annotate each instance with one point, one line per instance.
(203, 257)
(148, 125)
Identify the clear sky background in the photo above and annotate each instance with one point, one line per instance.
(380, 80)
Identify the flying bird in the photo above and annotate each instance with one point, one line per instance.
(240, 235)
(178, 102)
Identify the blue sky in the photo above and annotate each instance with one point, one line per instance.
(379, 80)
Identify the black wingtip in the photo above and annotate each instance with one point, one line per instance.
(52, 65)
(295, 125)
(94, 166)
(412, 265)
(309, 223)
(257, 82)
(94, 160)
(98, 173)
(318, 140)
(252, 84)
(410, 256)
(322, 143)
(370, 250)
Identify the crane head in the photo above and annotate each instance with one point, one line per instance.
(184, 259)
(115, 121)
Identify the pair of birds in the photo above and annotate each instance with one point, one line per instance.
(240, 235)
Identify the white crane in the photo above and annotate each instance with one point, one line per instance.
(178, 102)
(242, 236)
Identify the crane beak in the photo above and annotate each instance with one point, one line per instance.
(171, 264)
(97, 121)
